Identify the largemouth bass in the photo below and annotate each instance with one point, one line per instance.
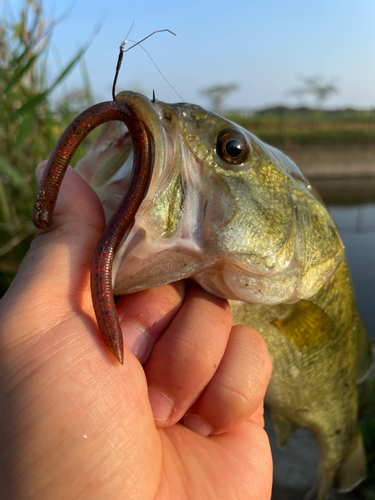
(238, 217)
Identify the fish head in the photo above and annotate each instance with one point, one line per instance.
(222, 208)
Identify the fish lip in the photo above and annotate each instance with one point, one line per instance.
(145, 111)
(152, 113)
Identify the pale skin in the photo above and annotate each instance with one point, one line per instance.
(184, 421)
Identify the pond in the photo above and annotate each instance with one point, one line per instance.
(357, 230)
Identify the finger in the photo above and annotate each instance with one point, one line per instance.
(187, 355)
(77, 203)
(62, 254)
(59, 259)
(237, 389)
(145, 315)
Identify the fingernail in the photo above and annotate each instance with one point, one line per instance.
(162, 407)
(197, 424)
(137, 341)
(39, 170)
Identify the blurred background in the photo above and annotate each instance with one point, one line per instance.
(299, 75)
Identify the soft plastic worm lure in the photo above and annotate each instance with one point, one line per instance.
(123, 218)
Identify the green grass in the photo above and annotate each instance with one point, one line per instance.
(29, 125)
(306, 127)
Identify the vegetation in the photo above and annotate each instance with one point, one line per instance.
(283, 126)
(316, 87)
(29, 125)
(216, 94)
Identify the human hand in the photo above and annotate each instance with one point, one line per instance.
(74, 423)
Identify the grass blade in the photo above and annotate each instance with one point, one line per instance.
(8, 169)
(21, 70)
(4, 206)
(16, 240)
(86, 82)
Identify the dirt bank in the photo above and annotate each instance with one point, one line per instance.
(342, 174)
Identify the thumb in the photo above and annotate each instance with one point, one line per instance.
(77, 204)
(59, 260)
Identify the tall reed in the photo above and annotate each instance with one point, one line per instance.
(30, 124)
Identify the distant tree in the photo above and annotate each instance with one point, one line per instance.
(316, 87)
(216, 94)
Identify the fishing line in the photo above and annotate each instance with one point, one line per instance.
(131, 27)
(161, 74)
(122, 52)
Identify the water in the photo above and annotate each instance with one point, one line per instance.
(357, 230)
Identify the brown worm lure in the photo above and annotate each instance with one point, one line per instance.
(123, 218)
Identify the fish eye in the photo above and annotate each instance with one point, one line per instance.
(232, 147)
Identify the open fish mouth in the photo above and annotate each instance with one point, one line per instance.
(244, 227)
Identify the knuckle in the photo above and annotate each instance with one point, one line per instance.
(235, 398)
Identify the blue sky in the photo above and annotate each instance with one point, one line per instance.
(264, 46)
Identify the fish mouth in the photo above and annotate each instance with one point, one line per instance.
(185, 226)
(163, 245)
(107, 168)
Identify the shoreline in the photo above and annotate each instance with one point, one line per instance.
(342, 174)
(337, 161)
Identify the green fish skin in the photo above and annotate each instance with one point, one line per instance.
(238, 217)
